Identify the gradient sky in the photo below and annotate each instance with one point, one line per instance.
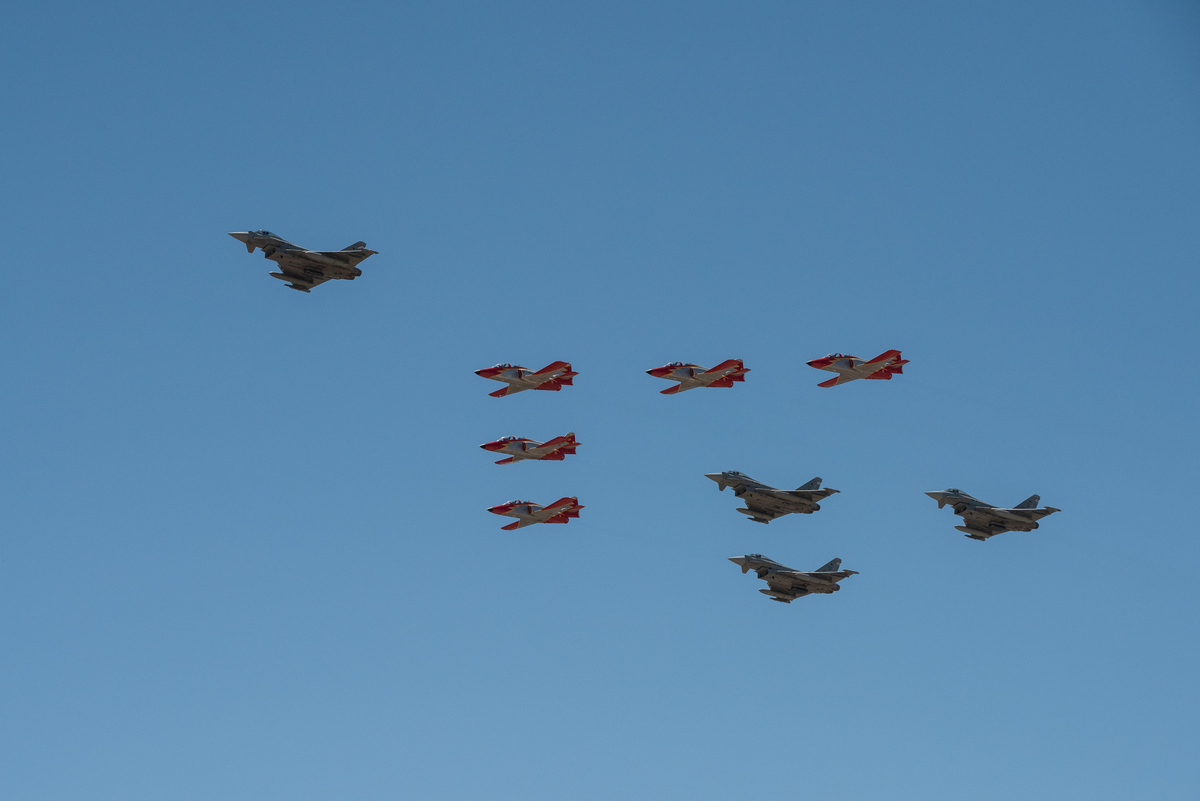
(245, 552)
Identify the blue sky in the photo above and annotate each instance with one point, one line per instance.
(245, 552)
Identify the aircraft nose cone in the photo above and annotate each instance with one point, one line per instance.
(714, 476)
(737, 560)
(491, 446)
(934, 495)
(241, 236)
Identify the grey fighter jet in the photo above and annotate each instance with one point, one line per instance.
(304, 269)
(984, 520)
(764, 503)
(786, 585)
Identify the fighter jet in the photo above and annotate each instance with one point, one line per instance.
(852, 368)
(691, 376)
(552, 377)
(306, 268)
(561, 511)
(786, 585)
(521, 448)
(765, 503)
(984, 520)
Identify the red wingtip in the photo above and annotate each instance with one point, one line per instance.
(671, 390)
(509, 460)
(831, 382)
(500, 393)
(511, 526)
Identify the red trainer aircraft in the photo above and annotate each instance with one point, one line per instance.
(691, 376)
(552, 377)
(852, 368)
(521, 448)
(561, 511)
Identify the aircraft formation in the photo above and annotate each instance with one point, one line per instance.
(304, 269)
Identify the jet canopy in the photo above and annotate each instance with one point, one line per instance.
(956, 491)
(755, 556)
(264, 232)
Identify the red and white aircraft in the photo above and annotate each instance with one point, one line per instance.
(691, 376)
(552, 377)
(852, 368)
(521, 448)
(561, 511)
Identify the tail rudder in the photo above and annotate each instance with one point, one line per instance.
(1029, 503)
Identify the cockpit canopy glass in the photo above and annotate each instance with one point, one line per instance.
(755, 556)
(956, 491)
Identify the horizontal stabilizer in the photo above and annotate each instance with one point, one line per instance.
(832, 567)
(882, 375)
(549, 386)
(815, 484)
(1029, 503)
(723, 383)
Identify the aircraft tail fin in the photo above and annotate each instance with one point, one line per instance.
(831, 567)
(726, 365)
(887, 354)
(555, 366)
(815, 484)
(1029, 503)
(356, 246)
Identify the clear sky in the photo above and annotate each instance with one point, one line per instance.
(245, 552)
